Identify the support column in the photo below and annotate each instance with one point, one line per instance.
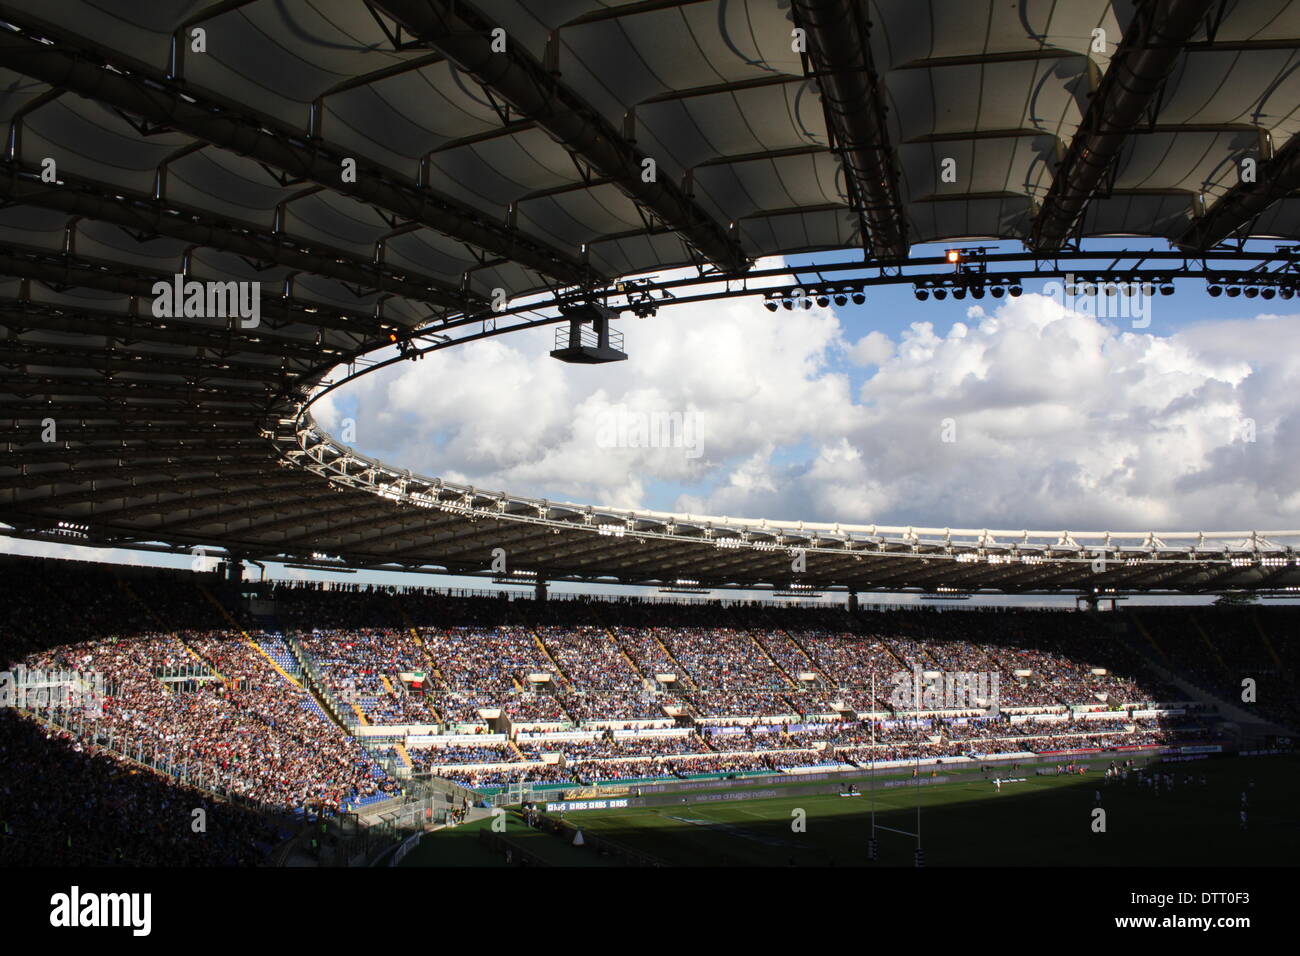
(541, 590)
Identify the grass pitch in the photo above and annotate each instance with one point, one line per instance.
(1042, 821)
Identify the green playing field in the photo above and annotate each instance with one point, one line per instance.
(1041, 821)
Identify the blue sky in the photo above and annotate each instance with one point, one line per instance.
(789, 403)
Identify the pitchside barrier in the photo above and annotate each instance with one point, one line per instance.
(406, 846)
(760, 788)
(635, 790)
(727, 796)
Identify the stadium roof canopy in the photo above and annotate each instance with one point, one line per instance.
(381, 168)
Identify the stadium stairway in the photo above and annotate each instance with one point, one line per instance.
(816, 667)
(1230, 712)
(546, 652)
(1209, 644)
(1268, 645)
(403, 755)
(435, 672)
(275, 662)
(319, 696)
(790, 682)
(278, 657)
(646, 682)
(682, 673)
(1142, 629)
(162, 626)
(272, 644)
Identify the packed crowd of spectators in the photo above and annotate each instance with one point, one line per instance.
(363, 667)
(232, 723)
(189, 693)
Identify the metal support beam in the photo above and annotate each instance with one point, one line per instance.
(465, 36)
(855, 110)
(1239, 207)
(138, 212)
(60, 271)
(1142, 62)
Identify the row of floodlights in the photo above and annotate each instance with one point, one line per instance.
(1234, 286)
(805, 298)
(940, 290)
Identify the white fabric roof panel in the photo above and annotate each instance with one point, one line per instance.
(32, 226)
(1047, 95)
(1281, 220)
(494, 173)
(1006, 164)
(986, 218)
(1191, 161)
(739, 190)
(279, 57)
(1138, 214)
(800, 231)
(639, 253)
(228, 185)
(1259, 88)
(699, 129)
(335, 220)
(140, 30)
(615, 64)
(1259, 21)
(400, 118)
(88, 140)
(914, 30)
(101, 240)
(577, 217)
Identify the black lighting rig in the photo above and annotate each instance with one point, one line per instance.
(823, 294)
